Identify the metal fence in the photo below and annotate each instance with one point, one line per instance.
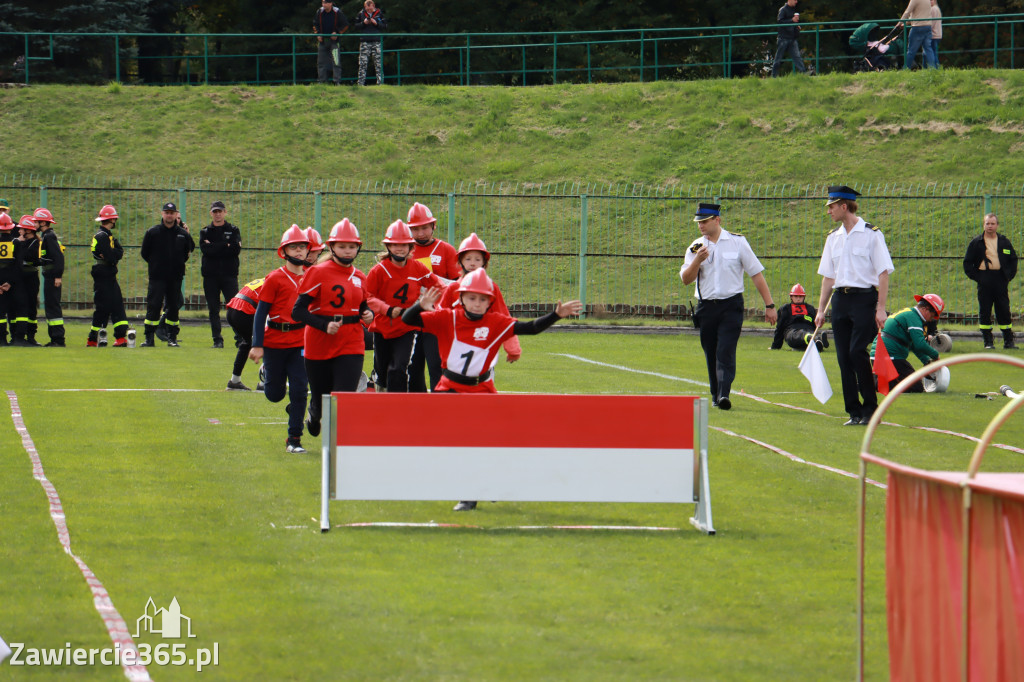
(524, 58)
(618, 248)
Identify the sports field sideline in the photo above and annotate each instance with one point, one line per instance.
(173, 489)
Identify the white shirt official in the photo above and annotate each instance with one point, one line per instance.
(855, 259)
(721, 274)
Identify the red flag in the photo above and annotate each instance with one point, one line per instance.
(883, 367)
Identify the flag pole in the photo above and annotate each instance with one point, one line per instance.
(822, 311)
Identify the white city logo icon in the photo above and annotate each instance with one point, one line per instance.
(164, 622)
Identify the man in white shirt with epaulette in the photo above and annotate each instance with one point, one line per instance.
(855, 267)
(716, 262)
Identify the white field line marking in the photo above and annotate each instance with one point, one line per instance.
(116, 627)
(740, 392)
(135, 390)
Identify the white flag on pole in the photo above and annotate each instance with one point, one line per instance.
(812, 367)
(5, 650)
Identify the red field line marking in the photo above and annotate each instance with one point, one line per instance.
(402, 524)
(112, 621)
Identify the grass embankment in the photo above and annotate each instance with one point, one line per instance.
(922, 127)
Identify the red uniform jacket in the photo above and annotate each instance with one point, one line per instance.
(450, 299)
(467, 347)
(337, 291)
(439, 257)
(390, 286)
(248, 297)
(280, 289)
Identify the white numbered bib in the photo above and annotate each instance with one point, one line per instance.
(466, 359)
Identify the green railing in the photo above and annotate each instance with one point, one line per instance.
(618, 248)
(529, 58)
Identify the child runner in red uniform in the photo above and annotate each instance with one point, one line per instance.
(473, 255)
(469, 335)
(394, 284)
(279, 344)
(332, 303)
(441, 259)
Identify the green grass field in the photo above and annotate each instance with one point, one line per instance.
(163, 502)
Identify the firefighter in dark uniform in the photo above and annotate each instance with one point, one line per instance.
(855, 266)
(10, 274)
(796, 323)
(220, 242)
(107, 253)
(51, 255)
(992, 263)
(717, 262)
(165, 247)
(26, 299)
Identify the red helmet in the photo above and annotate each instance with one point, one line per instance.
(398, 233)
(108, 212)
(316, 242)
(5, 222)
(293, 235)
(345, 231)
(934, 300)
(474, 243)
(43, 214)
(27, 223)
(420, 215)
(797, 290)
(477, 282)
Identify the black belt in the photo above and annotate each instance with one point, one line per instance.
(855, 290)
(719, 301)
(347, 319)
(243, 297)
(286, 327)
(466, 380)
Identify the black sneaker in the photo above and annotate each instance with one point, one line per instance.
(218, 343)
(824, 339)
(172, 343)
(313, 426)
(852, 421)
(465, 506)
(55, 344)
(148, 343)
(724, 404)
(237, 386)
(294, 445)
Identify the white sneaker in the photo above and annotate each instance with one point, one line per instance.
(294, 445)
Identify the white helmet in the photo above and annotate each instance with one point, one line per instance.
(937, 382)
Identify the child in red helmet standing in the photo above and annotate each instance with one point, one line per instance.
(473, 255)
(107, 253)
(277, 338)
(10, 273)
(471, 333)
(796, 323)
(332, 303)
(393, 285)
(26, 300)
(440, 258)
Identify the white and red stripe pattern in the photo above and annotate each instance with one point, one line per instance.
(115, 625)
(552, 448)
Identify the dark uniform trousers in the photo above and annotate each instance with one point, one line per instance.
(215, 287)
(109, 303)
(286, 375)
(26, 306)
(161, 290)
(796, 337)
(398, 366)
(720, 324)
(241, 324)
(52, 309)
(431, 357)
(904, 369)
(854, 328)
(340, 373)
(992, 289)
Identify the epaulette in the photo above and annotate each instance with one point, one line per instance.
(696, 247)
(833, 230)
(736, 234)
(872, 227)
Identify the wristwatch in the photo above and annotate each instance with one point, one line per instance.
(769, 306)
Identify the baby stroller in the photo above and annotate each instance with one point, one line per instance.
(879, 55)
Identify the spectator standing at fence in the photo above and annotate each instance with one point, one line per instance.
(106, 292)
(329, 23)
(789, 32)
(51, 255)
(855, 267)
(10, 274)
(371, 23)
(165, 248)
(277, 338)
(26, 300)
(936, 31)
(991, 261)
(716, 261)
(220, 242)
(919, 38)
